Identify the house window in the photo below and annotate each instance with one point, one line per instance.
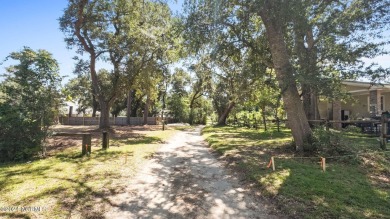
(382, 104)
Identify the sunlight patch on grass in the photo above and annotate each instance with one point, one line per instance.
(274, 181)
(69, 185)
(352, 187)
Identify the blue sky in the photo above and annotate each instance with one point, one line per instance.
(34, 23)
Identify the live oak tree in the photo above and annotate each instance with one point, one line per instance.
(177, 100)
(201, 86)
(88, 25)
(272, 16)
(307, 40)
(220, 35)
(126, 34)
(267, 99)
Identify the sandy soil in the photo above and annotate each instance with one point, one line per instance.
(185, 180)
(60, 143)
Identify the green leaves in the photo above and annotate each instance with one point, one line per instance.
(30, 101)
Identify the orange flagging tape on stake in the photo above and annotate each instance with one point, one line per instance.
(271, 162)
(323, 164)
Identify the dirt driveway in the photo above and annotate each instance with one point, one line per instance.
(184, 180)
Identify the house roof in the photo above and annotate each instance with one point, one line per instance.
(360, 87)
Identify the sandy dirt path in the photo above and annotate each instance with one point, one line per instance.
(184, 180)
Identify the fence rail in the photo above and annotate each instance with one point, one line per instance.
(113, 120)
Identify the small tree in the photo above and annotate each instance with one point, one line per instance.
(29, 103)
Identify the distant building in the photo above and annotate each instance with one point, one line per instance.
(369, 101)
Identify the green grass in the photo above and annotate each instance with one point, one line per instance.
(69, 185)
(351, 187)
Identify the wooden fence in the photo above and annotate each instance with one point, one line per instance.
(113, 120)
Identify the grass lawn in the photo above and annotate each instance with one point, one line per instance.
(351, 187)
(68, 185)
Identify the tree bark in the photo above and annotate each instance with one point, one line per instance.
(307, 58)
(263, 117)
(299, 125)
(146, 110)
(225, 114)
(89, 47)
(94, 106)
(129, 103)
(191, 116)
(309, 100)
(104, 115)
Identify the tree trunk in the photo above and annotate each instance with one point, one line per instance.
(128, 109)
(225, 114)
(264, 119)
(309, 99)
(137, 105)
(299, 125)
(95, 105)
(146, 110)
(104, 115)
(191, 116)
(307, 58)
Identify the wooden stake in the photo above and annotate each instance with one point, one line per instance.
(323, 164)
(273, 163)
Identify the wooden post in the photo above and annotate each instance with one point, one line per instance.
(106, 140)
(273, 163)
(327, 124)
(86, 145)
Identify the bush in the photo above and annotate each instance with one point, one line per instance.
(29, 101)
(352, 129)
(20, 137)
(327, 142)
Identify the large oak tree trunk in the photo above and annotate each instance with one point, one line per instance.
(128, 109)
(146, 110)
(104, 115)
(94, 106)
(225, 114)
(309, 100)
(299, 125)
(307, 58)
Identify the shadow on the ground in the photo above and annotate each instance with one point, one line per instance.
(183, 189)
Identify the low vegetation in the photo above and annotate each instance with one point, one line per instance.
(67, 185)
(356, 186)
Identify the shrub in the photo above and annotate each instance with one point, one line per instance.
(29, 102)
(327, 142)
(352, 129)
